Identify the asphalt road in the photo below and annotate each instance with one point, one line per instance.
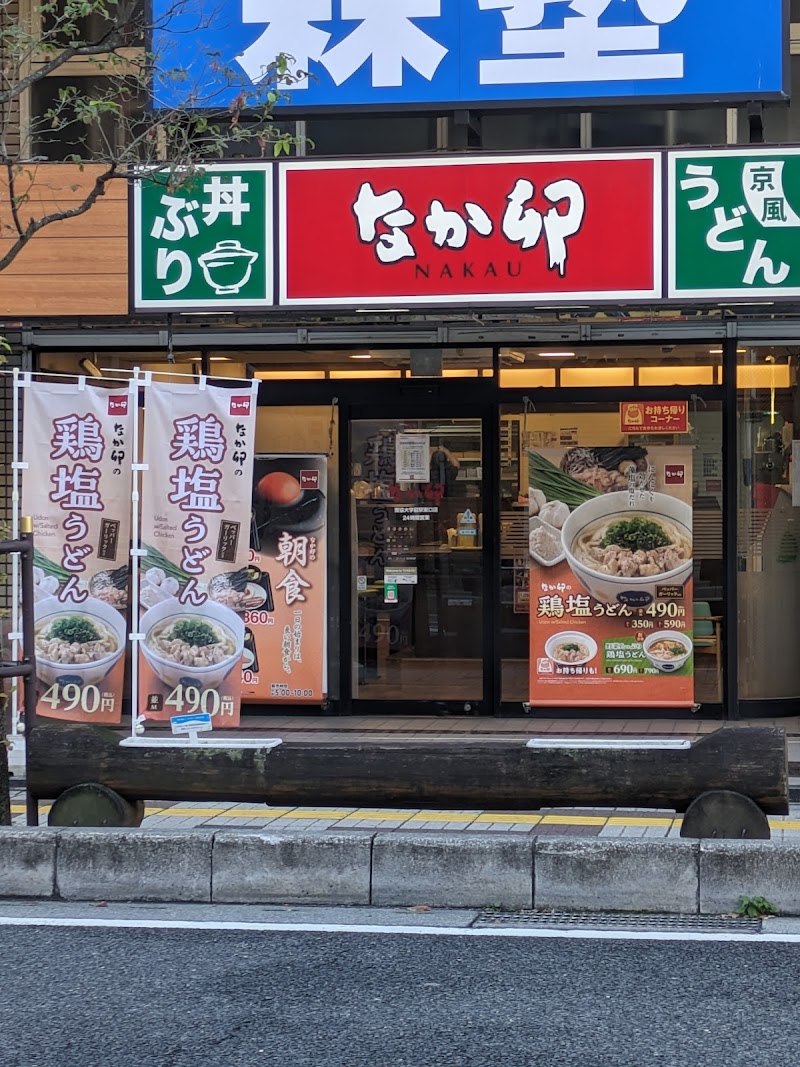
(175, 998)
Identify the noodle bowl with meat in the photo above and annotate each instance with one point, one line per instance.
(183, 641)
(633, 546)
(623, 554)
(80, 641)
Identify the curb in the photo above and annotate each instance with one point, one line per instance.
(373, 868)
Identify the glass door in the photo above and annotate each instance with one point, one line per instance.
(417, 535)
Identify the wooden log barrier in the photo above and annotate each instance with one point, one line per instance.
(446, 773)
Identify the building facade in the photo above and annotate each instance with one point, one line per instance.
(431, 600)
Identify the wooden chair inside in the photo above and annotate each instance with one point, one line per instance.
(707, 638)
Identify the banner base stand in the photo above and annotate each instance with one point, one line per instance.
(201, 742)
(628, 743)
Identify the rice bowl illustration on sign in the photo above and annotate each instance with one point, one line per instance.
(227, 267)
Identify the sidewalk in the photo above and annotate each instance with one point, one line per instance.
(556, 822)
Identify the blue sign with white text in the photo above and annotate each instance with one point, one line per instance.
(426, 53)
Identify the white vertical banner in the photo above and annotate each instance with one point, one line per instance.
(76, 467)
(196, 490)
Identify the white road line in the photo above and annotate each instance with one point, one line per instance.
(427, 931)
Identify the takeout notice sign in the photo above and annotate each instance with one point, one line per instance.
(654, 416)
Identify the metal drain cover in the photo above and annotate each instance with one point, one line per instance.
(576, 920)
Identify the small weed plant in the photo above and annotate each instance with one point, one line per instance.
(755, 907)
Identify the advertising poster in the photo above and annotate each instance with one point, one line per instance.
(652, 416)
(285, 652)
(76, 486)
(610, 533)
(194, 588)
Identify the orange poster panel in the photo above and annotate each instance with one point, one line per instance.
(611, 573)
(285, 658)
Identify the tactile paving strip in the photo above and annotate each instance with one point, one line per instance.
(615, 921)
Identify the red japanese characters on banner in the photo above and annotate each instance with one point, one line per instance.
(427, 231)
(657, 416)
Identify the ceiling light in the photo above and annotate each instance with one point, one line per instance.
(219, 359)
(715, 351)
(361, 355)
(556, 355)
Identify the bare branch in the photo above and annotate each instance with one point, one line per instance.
(113, 115)
(34, 225)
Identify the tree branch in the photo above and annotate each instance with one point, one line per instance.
(35, 225)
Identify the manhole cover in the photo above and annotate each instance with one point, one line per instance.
(575, 920)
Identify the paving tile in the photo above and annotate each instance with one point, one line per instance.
(633, 831)
(656, 831)
(611, 831)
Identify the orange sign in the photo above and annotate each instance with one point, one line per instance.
(285, 657)
(654, 416)
(611, 577)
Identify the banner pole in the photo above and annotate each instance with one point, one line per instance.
(135, 553)
(15, 560)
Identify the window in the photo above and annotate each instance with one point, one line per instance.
(371, 135)
(538, 129)
(625, 127)
(768, 527)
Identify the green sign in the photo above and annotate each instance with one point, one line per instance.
(625, 657)
(206, 245)
(734, 223)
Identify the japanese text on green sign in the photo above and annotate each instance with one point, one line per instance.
(206, 244)
(735, 221)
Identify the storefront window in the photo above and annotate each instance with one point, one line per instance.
(368, 363)
(417, 521)
(768, 530)
(631, 365)
(568, 434)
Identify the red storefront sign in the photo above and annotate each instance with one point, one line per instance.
(667, 416)
(466, 230)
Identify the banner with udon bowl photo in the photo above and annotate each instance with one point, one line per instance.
(195, 535)
(76, 482)
(610, 541)
(286, 629)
